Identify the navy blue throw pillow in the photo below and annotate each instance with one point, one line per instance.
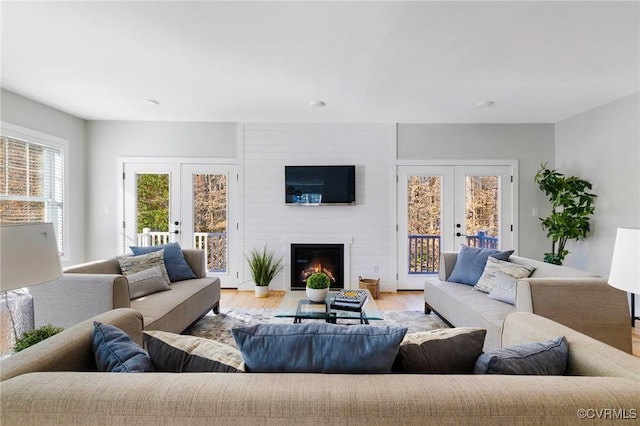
(116, 352)
(318, 347)
(177, 267)
(471, 262)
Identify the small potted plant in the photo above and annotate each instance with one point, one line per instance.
(264, 267)
(37, 335)
(318, 287)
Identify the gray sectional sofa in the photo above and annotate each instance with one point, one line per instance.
(55, 382)
(90, 289)
(577, 299)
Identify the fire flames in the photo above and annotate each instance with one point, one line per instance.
(317, 266)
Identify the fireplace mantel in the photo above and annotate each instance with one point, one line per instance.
(346, 240)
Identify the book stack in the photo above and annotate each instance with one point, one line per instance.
(349, 300)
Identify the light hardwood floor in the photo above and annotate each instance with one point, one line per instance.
(401, 301)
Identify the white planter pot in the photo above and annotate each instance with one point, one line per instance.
(262, 291)
(317, 295)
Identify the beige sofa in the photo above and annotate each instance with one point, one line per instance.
(577, 299)
(93, 288)
(66, 391)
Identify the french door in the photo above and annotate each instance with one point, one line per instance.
(189, 203)
(443, 207)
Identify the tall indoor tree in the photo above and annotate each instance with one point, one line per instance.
(572, 204)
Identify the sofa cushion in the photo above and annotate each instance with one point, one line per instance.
(116, 352)
(488, 279)
(471, 262)
(540, 358)
(176, 265)
(147, 282)
(442, 351)
(318, 347)
(504, 290)
(131, 264)
(177, 353)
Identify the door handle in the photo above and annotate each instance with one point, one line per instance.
(176, 232)
(459, 234)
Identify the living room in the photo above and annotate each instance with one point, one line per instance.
(402, 85)
(596, 141)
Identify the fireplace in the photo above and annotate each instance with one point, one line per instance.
(307, 259)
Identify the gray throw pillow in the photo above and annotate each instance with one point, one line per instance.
(471, 261)
(318, 347)
(442, 351)
(542, 358)
(505, 289)
(147, 282)
(130, 264)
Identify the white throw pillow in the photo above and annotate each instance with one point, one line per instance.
(488, 280)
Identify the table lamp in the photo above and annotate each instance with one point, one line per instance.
(28, 257)
(625, 265)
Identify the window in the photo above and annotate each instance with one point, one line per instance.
(32, 184)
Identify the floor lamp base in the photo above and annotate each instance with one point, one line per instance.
(16, 317)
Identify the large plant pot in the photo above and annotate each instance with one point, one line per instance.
(317, 295)
(262, 291)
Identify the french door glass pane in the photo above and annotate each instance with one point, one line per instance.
(210, 218)
(482, 211)
(424, 220)
(152, 208)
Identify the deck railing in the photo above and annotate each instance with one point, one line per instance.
(214, 245)
(424, 254)
(424, 251)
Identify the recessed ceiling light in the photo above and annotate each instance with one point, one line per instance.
(485, 104)
(317, 104)
(151, 102)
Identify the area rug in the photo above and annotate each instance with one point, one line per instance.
(218, 327)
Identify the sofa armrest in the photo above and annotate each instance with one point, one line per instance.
(588, 305)
(587, 356)
(197, 261)
(72, 349)
(77, 297)
(447, 262)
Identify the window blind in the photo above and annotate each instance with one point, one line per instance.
(31, 184)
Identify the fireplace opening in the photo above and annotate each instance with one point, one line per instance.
(307, 259)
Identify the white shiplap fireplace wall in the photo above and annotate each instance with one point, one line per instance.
(366, 228)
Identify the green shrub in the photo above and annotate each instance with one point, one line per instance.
(32, 337)
(318, 281)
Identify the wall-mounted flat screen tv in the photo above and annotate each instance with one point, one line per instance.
(316, 185)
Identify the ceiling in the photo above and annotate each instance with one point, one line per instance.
(406, 62)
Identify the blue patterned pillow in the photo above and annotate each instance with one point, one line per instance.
(116, 352)
(177, 267)
(318, 347)
(471, 262)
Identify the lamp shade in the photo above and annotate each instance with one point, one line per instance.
(625, 264)
(28, 255)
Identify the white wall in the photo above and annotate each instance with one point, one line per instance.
(108, 140)
(269, 147)
(32, 115)
(530, 144)
(603, 147)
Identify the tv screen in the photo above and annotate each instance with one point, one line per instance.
(315, 185)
